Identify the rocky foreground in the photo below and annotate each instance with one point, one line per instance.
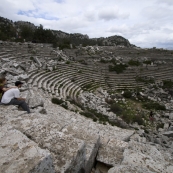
(57, 140)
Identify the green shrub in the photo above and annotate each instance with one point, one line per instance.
(115, 108)
(87, 86)
(146, 81)
(57, 101)
(134, 63)
(167, 84)
(80, 71)
(160, 125)
(87, 114)
(119, 68)
(127, 94)
(67, 62)
(54, 44)
(147, 62)
(104, 61)
(153, 105)
(83, 62)
(126, 117)
(138, 119)
(109, 101)
(64, 106)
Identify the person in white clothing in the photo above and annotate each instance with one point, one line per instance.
(12, 97)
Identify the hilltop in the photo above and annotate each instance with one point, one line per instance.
(23, 30)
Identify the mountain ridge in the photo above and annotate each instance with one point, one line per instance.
(23, 30)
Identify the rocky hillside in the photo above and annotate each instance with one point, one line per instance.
(83, 120)
(20, 30)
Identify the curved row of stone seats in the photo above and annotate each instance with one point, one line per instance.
(31, 77)
(68, 89)
(160, 74)
(82, 77)
(79, 77)
(47, 83)
(78, 72)
(88, 74)
(78, 67)
(118, 77)
(128, 86)
(6, 55)
(66, 72)
(33, 74)
(3, 53)
(130, 77)
(61, 88)
(36, 77)
(65, 88)
(44, 78)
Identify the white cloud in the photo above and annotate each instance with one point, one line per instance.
(167, 2)
(144, 23)
(111, 13)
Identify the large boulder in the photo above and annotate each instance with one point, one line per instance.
(149, 157)
(34, 102)
(168, 134)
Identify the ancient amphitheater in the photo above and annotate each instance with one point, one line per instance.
(53, 139)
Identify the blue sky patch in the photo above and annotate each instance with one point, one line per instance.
(59, 1)
(36, 14)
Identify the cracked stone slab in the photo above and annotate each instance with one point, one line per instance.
(148, 157)
(128, 169)
(92, 143)
(69, 153)
(20, 154)
(112, 152)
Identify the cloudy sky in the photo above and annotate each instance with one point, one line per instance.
(146, 23)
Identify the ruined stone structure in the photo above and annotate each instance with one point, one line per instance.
(55, 140)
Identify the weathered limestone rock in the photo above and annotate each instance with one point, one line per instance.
(148, 157)
(37, 61)
(69, 153)
(112, 152)
(23, 77)
(20, 154)
(171, 116)
(128, 169)
(35, 101)
(168, 134)
(92, 143)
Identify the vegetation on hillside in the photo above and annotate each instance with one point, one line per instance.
(167, 84)
(119, 68)
(144, 80)
(28, 32)
(134, 63)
